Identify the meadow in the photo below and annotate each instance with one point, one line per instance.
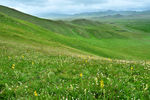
(30, 74)
(41, 59)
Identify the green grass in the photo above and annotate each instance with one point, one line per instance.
(58, 77)
(49, 57)
(140, 23)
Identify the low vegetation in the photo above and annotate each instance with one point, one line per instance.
(79, 59)
(30, 74)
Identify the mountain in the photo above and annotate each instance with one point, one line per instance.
(54, 16)
(94, 14)
(110, 13)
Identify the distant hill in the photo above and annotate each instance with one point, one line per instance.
(108, 13)
(113, 16)
(111, 13)
(54, 16)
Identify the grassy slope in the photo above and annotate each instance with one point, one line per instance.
(18, 32)
(133, 44)
(133, 22)
(92, 29)
(101, 39)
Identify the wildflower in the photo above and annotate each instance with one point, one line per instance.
(131, 68)
(109, 59)
(32, 63)
(23, 57)
(102, 84)
(86, 61)
(81, 74)
(35, 93)
(13, 66)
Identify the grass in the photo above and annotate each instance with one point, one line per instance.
(80, 60)
(58, 77)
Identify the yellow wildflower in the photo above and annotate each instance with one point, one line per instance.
(86, 61)
(32, 63)
(81, 74)
(102, 84)
(23, 57)
(109, 59)
(35, 93)
(131, 68)
(13, 66)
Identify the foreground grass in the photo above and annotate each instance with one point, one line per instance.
(30, 74)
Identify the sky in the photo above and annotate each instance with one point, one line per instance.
(35, 7)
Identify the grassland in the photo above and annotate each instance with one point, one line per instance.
(79, 59)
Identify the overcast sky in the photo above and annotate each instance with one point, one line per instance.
(74, 6)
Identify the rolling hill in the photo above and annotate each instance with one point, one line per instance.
(90, 15)
(98, 38)
(73, 59)
(69, 28)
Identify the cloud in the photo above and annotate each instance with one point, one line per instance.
(74, 6)
(88, 2)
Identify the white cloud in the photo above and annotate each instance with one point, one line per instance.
(74, 6)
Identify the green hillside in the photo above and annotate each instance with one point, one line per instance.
(92, 29)
(78, 59)
(99, 38)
